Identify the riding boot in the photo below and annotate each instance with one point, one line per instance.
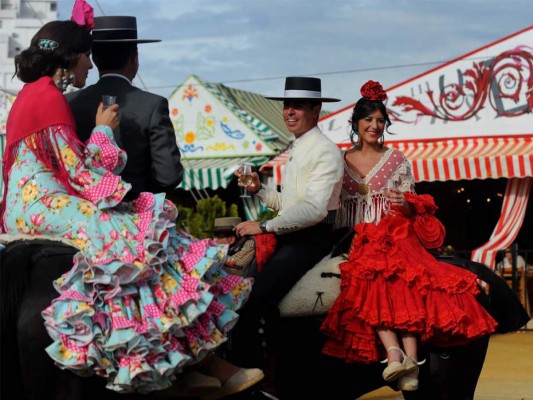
(270, 383)
(245, 343)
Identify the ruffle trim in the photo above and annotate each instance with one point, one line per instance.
(103, 152)
(437, 317)
(139, 323)
(108, 160)
(388, 283)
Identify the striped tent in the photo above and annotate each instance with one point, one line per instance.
(218, 128)
(467, 119)
(214, 173)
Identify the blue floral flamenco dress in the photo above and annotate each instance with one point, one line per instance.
(142, 300)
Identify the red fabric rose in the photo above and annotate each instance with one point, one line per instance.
(423, 203)
(428, 228)
(381, 238)
(373, 91)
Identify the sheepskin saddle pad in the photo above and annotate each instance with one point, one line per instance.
(316, 291)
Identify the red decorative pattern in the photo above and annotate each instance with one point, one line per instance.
(507, 79)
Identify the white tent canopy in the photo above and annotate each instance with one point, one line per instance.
(467, 119)
(218, 128)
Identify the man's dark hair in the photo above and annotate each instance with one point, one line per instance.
(112, 56)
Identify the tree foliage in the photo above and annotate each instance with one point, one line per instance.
(201, 218)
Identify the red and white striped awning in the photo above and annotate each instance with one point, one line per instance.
(512, 216)
(454, 159)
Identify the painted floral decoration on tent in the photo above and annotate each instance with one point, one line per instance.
(373, 91)
(83, 14)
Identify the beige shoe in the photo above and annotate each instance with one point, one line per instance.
(192, 384)
(397, 369)
(196, 379)
(408, 383)
(394, 370)
(410, 365)
(241, 380)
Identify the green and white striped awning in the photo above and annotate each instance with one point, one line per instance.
(213, 173)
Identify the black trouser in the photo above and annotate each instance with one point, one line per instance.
(295, 254)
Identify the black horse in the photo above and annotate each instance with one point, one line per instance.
(449, 373)
(27, 269)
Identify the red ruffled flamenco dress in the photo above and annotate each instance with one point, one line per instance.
(391, 281)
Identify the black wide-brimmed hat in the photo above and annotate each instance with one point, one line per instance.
(303, 88)
(117, 29)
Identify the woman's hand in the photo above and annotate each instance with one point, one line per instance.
(108, 116)
(397, 200)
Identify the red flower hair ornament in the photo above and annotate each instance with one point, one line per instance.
(83, 14)
(373, 91)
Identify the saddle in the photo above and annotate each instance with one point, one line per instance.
(316, 291)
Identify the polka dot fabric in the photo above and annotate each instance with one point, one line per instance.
(142, 300)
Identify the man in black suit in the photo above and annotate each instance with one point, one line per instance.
(145, 132)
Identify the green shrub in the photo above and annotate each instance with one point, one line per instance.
(202, 217)
(266, 215)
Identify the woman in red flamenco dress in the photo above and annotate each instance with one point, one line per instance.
(394, 293)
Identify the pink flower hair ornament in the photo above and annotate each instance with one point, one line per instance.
(83, 14)
(373, 91)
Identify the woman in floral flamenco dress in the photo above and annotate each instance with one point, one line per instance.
(142, 301)
(394, 293)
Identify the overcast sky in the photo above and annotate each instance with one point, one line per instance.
(254, 44)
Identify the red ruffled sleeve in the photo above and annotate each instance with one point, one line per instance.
(429, 229)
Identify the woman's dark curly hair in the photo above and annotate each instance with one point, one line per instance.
(34, 62)
(362, 109)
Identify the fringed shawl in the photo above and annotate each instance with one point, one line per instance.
(39, 105)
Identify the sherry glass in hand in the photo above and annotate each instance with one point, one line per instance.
(108, 100)
(245, 178)
(390, 189)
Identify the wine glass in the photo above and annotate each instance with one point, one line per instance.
(108, 100)
(245, 178)
(390, 188)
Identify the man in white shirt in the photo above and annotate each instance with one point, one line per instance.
(306, 204)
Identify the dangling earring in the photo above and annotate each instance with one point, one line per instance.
(71, 79)
(381, 140)
(62, 79)
(359, 140)
(353, 137)
(57, 78)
